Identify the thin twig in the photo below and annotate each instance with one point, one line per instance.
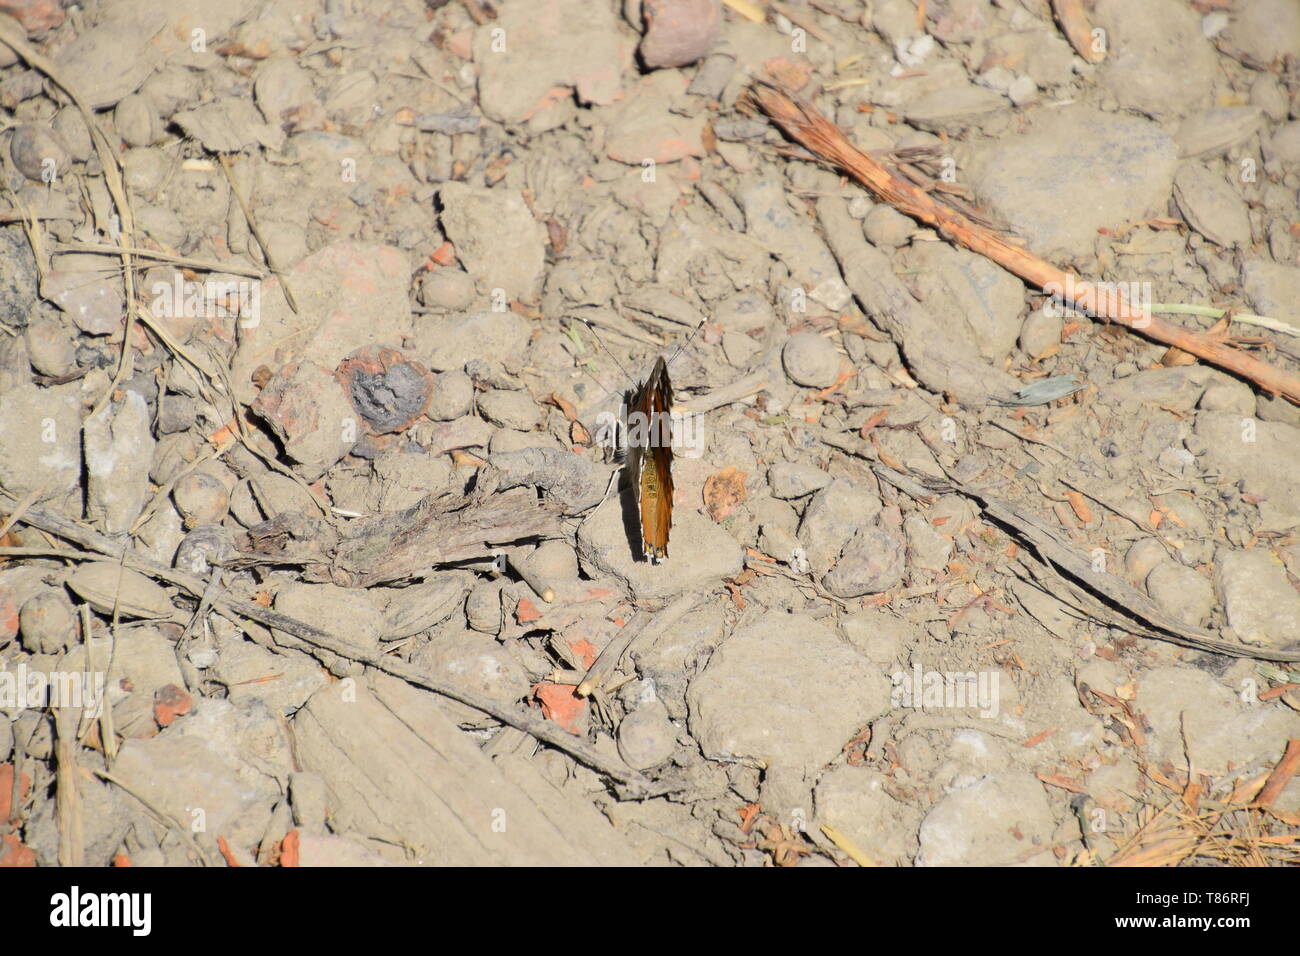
(803, 123)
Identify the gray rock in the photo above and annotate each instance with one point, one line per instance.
(204, 546)
(832, 517)
(1283, 146)
(446, 344)
(453, 395)
(743, 312)
(927, 547)
(483, 607)
(1259, 601)
(1265, 456)
(646, 737)
(241, 664)
(222, 769)
(811, 360)
(1273, 289)
(448, 289)
(1107, 168)
(981, 300)
(879, 635)
(1211, 206)
(699, 552)
(939, 360)
(1000, 820)
(784, 690)
(1266, 30)
(310, 412)
(674, 653)
(119, 448)
(887, 228)
(496, 237)
(92, 300)
(569, 43)
(1214, 131)
(1191, 714)
(1040, 331)
(51, 345)
(1143, 38)
(137, 121)
(872, 562)
(275, 492)
(281, 87)
(1267, 94)
(509, 409)
(351, 614)
(784, 546)
(1178, 388)
(38, 152)
(794, 479)
(47, 621)
(1022, 91)
(477, 663)
(201, 498)
(793, 240)
(1181, 592)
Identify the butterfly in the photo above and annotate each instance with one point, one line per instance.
(645, 438)
(650, 459)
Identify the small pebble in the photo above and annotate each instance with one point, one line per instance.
(791, 479)
(448, 289)
(554, 560)
(38, 153)
(483, 607)
(136, 120)
(48, 623)
(646, 737)
(872, 562)
(453, 394)
(1040, 332)
(678, 32)
(1181, 592)
(206, 545)
(94, 304)
(811, 360)
(509, 409)
(1142, 557)
(201, 498)
(887, 228)
(50, 346)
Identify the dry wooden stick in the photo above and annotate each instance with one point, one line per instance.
(1281, 775)
(1074, 24)
(237, 608)
(805, 125)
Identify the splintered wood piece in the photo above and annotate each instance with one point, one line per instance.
(391, 547)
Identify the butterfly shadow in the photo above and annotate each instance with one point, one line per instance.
(631, 510)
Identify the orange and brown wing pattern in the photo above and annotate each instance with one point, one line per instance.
(653, 456)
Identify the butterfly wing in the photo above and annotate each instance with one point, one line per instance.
(651, 455)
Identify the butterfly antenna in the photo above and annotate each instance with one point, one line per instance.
(591, 328)
(687, 341)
